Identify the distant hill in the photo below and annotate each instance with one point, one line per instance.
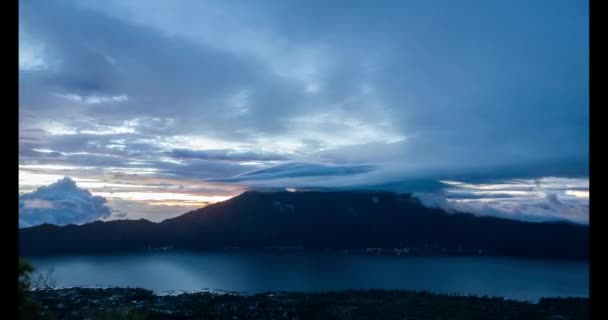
(317, 220)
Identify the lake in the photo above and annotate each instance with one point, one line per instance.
(253, 272)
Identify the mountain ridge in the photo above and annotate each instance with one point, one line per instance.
(316, 220)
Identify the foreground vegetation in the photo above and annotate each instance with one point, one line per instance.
(133, 303)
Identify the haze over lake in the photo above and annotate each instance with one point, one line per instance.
(254, 272)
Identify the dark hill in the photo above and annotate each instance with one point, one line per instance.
(317, 220)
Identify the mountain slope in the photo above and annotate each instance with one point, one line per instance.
(317, 220)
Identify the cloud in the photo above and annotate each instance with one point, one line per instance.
(243, 93)
(295, 170)
(38, 204)
(546, 199)
(61, 203)
(119, 213)
(466, 98)
(227, 155)
(93, 99)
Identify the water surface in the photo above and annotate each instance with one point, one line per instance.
(253, 272)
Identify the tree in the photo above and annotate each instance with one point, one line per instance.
(27, 307)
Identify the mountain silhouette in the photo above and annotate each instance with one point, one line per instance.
(343, 220)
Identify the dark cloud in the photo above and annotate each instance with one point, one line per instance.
(396, 96)
(119, 213)
(468, 94)
(167, 72)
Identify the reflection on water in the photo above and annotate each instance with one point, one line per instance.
(257, 272)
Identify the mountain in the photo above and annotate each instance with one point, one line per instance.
(317, 220)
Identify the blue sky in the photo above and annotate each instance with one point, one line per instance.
(159, 107)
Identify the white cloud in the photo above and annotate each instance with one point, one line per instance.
(93, 99)
(30, 59)
(92, 128)
(37, 204)
(61, 203)
(31, 54)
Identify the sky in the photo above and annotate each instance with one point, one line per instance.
(148, 109)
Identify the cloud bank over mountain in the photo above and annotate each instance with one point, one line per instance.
(61, 203)
(546, 199)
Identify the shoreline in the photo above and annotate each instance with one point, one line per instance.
(278, 292)
(360, 252)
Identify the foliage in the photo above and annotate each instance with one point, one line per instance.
(44, 280)
(133, 303)
(27, 308)
(122, 314)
